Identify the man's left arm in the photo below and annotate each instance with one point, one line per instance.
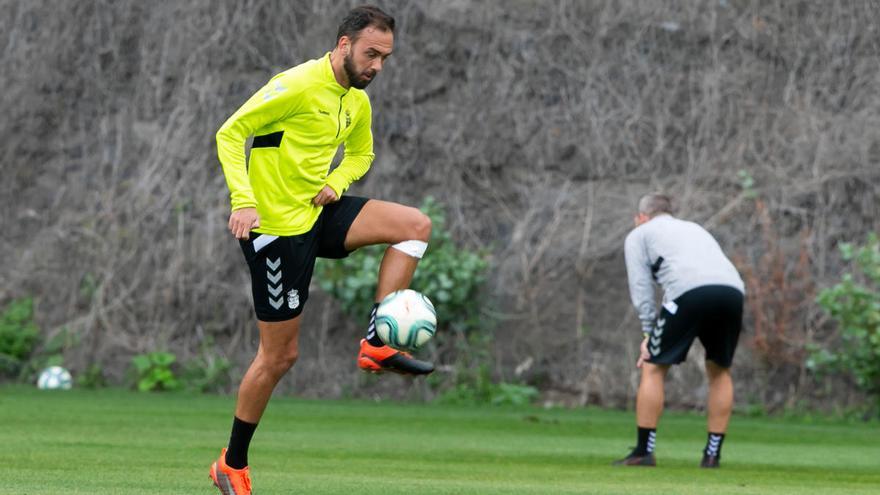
(358, 154)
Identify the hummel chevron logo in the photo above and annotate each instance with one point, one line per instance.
(654, 350)
(273, 92)
(714, 444)
(274, 286)
(661, 322)
(655, 341)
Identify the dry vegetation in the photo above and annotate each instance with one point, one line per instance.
(538, 124)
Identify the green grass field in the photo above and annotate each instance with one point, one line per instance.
(119, 442)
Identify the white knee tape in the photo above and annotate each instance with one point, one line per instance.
(416, 249)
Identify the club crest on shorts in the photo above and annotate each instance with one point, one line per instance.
(293, 299)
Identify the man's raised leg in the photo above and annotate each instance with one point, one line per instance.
(383, 222)
(407, 231)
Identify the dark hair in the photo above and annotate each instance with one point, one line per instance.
(654, 204)
(361, 17)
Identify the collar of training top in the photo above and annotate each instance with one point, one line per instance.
(331, 77)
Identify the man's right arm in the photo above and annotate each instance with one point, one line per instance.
(276, 101)
(641, 287)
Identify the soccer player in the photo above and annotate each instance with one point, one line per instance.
(703, 297)
(288, 209)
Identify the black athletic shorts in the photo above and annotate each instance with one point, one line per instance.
(712, 312)
(281, 267)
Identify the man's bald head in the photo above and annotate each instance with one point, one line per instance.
(654, 204)
(651, 205)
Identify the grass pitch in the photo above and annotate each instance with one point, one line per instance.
(119, 442)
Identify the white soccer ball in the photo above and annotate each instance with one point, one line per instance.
(406, 319)
(55, 378)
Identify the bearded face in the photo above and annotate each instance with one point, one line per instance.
(359, 78)
(365, 55)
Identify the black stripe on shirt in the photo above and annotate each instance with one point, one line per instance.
(268, 140)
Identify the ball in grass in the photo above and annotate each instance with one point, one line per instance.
(55, 378)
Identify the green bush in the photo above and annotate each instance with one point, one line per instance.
(153, 372)
(50, 352)
(854, 303)
(450, 276)
(93, 377)
(488, 392)
(19, 335)
(207, 373)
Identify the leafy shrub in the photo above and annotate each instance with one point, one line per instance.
(50, 352)
(451, 277)
(207, 373)
(499, 394)
(92, 377)
(152, 371)
(19, 335)
(854, 303)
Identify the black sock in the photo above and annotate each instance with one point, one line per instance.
(239, 442)
(373, 337)
(713, 444)
(647, 440)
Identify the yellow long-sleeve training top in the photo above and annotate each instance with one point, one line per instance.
(298, 120)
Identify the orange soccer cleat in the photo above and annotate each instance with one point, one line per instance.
(230, 481)
(375, 359)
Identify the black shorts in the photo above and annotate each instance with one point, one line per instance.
(281, 267)
(712, 312)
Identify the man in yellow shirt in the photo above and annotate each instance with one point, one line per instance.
(288, 209)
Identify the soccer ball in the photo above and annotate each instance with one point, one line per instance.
(55, 378)
(406, 319)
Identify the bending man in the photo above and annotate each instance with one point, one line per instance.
(702, 298)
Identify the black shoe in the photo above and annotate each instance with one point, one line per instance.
(636, 460)
(710, 461)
